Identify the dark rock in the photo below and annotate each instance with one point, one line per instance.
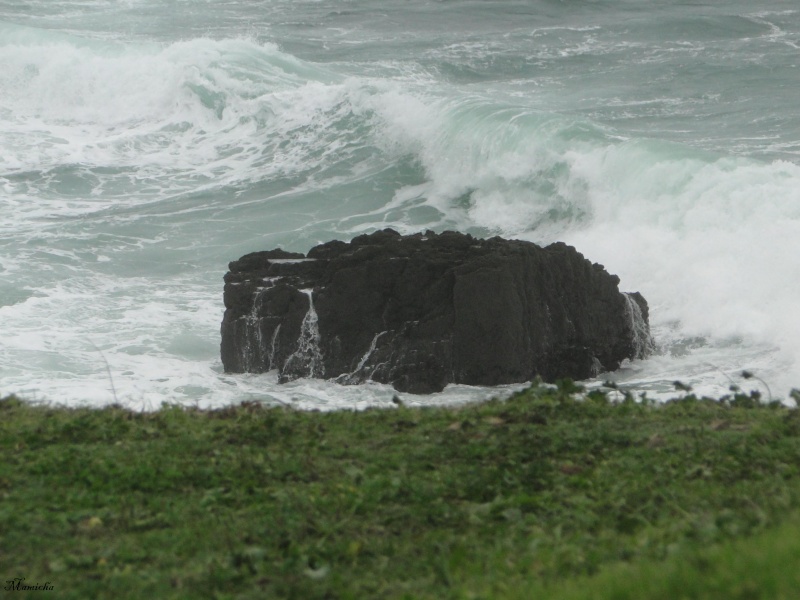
(425, 310)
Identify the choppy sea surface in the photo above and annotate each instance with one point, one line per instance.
(146, 143)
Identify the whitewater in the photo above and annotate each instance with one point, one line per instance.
(145, 144)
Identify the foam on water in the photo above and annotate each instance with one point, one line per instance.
(706, 238)
(133, 168)
(708, 243)
(189, 108)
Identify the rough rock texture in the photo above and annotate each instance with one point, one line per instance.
(421, 311)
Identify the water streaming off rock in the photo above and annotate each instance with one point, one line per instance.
(306, 361)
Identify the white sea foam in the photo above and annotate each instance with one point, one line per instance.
(708, 244)
(707, 239)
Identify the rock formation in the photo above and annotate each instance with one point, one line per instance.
(421, 311)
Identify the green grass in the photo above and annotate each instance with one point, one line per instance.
(550, 494)
(763, 566)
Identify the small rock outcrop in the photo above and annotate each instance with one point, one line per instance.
(422, 311)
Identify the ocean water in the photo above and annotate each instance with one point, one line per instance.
(144, 144)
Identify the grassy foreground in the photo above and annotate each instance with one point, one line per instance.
(550, 494)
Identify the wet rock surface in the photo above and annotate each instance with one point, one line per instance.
(422, 311)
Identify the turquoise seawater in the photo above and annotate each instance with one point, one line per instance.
(144, 144)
